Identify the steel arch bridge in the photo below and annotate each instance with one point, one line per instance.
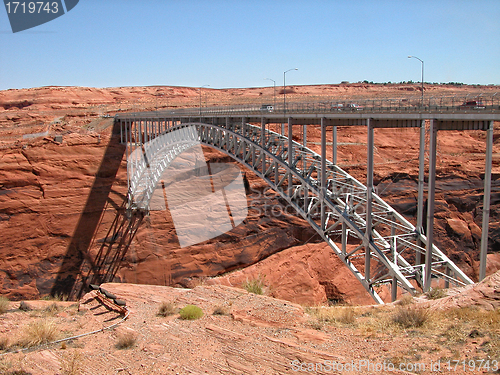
(377, 244)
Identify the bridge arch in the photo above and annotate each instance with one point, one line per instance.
(335, 204)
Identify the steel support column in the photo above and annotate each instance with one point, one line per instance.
(334, 145)
(243, 132)
(304, 135)
(290, 156)
(140, 134)
(323, 173)
(430, 206)
(127, 152)
(304, 142)
(421, 180)
(369, 196)
(486, 203)
(263, 143)
(394, 250)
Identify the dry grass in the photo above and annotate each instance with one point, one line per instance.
(7, 367)
(4, 304)
(39, 332)
(59, 297)
(18, 372)
(454, 327)
(72, 363)
(410, 317)
(4, 342)
(337, 314)
(126, 340)
(255, 286)
(460, 325)
(221, 310)
(23, 306)
(436, 293)
(167, 309)
(52, 309)
(405, 300)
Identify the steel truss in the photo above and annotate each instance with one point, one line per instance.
(377, 244)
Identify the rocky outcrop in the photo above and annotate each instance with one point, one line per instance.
(485, 295)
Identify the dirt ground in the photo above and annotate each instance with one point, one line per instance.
(246, 333)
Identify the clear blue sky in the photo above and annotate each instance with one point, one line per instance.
(238, 43)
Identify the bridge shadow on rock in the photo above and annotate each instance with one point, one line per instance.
(70, 273)
(113, 247)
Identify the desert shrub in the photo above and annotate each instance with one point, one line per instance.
(6, 368)
(23, 306)
(126, 340)
(5, 365)
(410, 317)
(4, 342)
(191, 312)
(435, 293)
(39, 332)
(317, 324)
(344, 315)
(166, 309)
(72, 363)
(220, 310)
(492, 346)
(4, 304)
(52, 309)
(455, 333)
(59, 297)
(405, 300)
(254, 286)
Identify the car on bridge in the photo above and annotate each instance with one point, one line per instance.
(472, 104)
(267, 108)
(352, 107)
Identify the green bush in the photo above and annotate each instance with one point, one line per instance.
(191, 312)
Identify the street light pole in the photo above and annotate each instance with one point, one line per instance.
(284, 90)
(200, 96)
(415, 57)
(274, 94)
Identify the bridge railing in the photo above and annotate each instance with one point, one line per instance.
(470, 103)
